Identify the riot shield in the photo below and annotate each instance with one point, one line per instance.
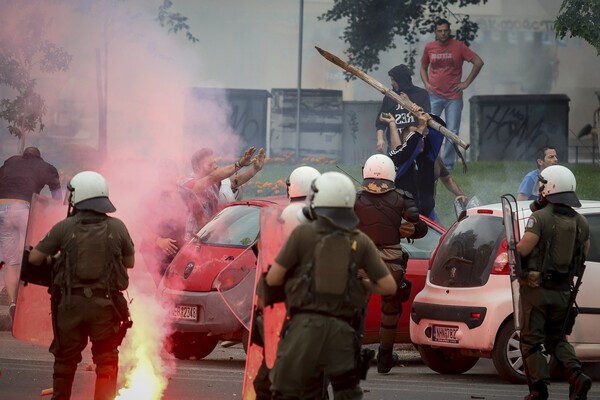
(263, 345)
(33, 322)
(236, 283)
(511, 229)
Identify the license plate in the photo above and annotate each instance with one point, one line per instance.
(443, 333)
(188, 313)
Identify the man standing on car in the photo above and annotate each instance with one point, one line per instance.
(381, 208)
(555, 244)
(326, 268)
(401, 79)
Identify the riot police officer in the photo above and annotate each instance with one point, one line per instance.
(326, 268)
(555, 244)
(381, 208)
(89, 274)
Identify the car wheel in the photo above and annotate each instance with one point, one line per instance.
(507, 354)
(446, 361)
(187, 345)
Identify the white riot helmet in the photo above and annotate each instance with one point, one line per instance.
(379, 174)
(298, 184)
(89, 191)
(558, 185)
(332, 195)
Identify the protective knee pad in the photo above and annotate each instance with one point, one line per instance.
(345, 381)
(390, 307)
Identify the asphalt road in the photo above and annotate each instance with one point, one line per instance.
(27, 369)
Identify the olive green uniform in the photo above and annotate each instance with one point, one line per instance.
(318, 337)
(545, 306)
(86, 312)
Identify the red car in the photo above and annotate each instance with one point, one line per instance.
(201, 317)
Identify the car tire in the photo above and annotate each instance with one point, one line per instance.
(446, 361)
(186, 345)
(506, 354)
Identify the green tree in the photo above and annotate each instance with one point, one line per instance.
(373, 25)
(24, 52)
(579, 18)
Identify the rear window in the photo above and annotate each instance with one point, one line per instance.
(465, 257)
(235, 226)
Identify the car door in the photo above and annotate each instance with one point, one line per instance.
(586, 330)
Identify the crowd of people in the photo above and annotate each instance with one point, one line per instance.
(343, 244)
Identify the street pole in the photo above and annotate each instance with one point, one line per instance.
(299, 89)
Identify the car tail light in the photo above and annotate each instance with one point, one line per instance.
(501, 266)
(229, 277)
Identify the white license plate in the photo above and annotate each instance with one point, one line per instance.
(444, 333)
(188, 313)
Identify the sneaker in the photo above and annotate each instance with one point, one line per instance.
(580, 387)
(11, 311)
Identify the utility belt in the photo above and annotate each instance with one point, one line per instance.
(89, 292)
(296, 311)
(551, 280)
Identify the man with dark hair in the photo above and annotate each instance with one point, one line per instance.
(400, 77)
(20, 177)
(529, 187)
(441, 72)
(201, 193)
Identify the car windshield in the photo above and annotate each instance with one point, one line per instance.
(235, 226)
(421, 249)
(465, 257)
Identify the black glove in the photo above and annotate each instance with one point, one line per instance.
(270, 294)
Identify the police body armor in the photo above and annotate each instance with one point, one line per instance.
(328, 284)
(380, 215)
(554, 258)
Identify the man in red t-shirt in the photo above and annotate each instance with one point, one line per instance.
(441, 72)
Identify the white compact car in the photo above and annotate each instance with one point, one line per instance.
(465, 310)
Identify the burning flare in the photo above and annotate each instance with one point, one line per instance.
(147, 371)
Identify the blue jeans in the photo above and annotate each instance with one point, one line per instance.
(452, 112)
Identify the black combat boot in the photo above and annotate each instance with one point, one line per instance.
(537, 391)
(579, 385)
(386, 359)
(62, 381)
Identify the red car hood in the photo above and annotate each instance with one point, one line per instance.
(196, 266)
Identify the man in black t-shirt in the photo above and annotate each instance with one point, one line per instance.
(20, 177)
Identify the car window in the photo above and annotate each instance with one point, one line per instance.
(235, 226)
(466, 255)
(594, 253)
(421, 249)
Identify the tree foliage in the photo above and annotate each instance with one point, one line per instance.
(174, 21)
(373, 25)
(579, 18)
(24, 52)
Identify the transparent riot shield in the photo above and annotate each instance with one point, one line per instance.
(266, 323)
(511, 230)
(33, 322)
(236, 283)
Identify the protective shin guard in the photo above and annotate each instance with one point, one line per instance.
(62, 381)
(106, 382)
(579, 385)
(386, 359)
